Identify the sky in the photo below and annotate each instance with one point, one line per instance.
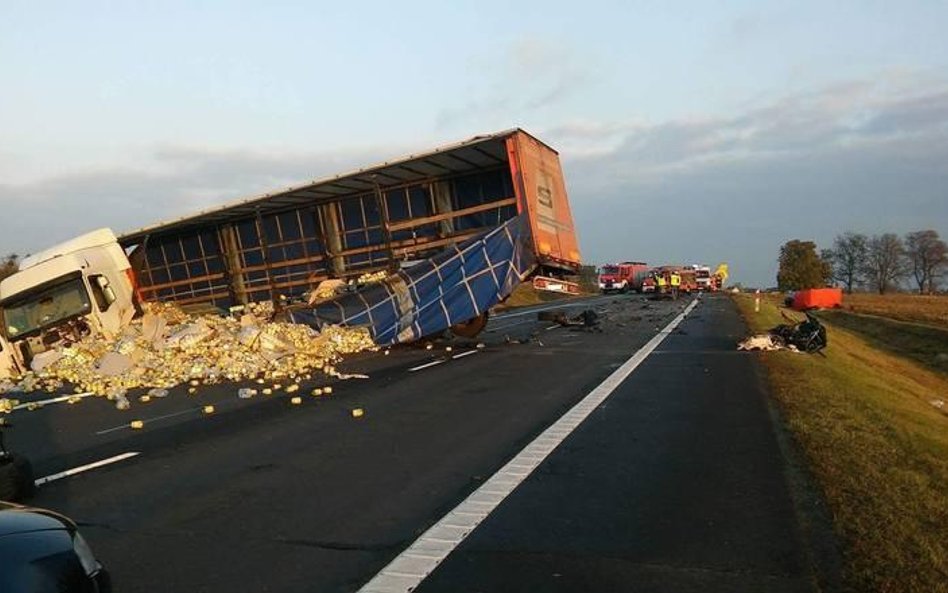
(698, 132)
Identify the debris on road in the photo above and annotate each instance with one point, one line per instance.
(168, 347)
(587, 319)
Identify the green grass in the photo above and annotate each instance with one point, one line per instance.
(925, 344)
(877, 448)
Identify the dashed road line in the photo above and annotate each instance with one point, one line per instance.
(426, 365)
(147, 420)
(53, 400)
(86, 467)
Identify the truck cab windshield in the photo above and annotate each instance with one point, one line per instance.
(610, 271)
(45, 307)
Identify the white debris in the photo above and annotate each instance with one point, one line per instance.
(44, 359)
(113, 364)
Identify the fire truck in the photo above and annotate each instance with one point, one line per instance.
(622, 277)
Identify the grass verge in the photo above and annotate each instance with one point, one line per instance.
(925, 344)
(878, 449)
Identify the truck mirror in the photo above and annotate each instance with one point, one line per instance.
(103, 292)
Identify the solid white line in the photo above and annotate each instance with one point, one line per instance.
(429, 550)
(463, 354)
(86, 467)
(424, 366)
(553, 327)
(54, 400)
(146, 420)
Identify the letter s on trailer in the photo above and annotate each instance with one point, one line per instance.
(61, 294)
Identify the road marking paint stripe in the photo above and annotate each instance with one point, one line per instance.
(147, 420)
(86, 467)
(501, 484)
(560, 305)
(425, 366)
(509, 325)
(463, 354)
(553, 327)
(54, 400)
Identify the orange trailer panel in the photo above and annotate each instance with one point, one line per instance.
(541, 192)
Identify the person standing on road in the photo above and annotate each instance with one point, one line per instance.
(661, 287)
(675, 282)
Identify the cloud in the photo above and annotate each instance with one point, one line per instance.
(860, 156)
(527, 76)
(172, 182)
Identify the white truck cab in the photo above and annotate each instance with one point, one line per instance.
(63, 294)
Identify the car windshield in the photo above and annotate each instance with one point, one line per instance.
(703, 274)
(610, 270)
(45, 307)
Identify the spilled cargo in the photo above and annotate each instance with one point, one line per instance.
(401, 250)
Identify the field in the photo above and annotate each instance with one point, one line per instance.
(930, 310)
(876, 446)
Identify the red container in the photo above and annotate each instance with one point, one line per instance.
(818, 298)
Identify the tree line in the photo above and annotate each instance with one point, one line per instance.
(857, 261)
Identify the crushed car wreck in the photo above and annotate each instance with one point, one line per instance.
(808, 336)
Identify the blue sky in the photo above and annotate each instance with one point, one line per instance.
(742, 126)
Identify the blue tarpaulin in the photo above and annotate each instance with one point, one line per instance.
(452, 287)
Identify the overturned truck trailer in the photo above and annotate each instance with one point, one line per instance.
(456, 228)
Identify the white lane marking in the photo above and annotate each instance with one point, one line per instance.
(560, 305)
(54, 400)
(463, 354)
(553, 327)
(412, 566)
(147, 420)
(425, 366)
(508, 325)
(86, 467)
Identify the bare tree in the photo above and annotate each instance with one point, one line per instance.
(927, 257)
(9, 265)
(848, 258)
(884, 262)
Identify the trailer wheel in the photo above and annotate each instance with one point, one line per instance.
(471, 327)
(16, 478)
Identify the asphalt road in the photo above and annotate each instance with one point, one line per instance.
(676, 482)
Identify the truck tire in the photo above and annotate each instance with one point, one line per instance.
(471, 327)
(16, 478)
